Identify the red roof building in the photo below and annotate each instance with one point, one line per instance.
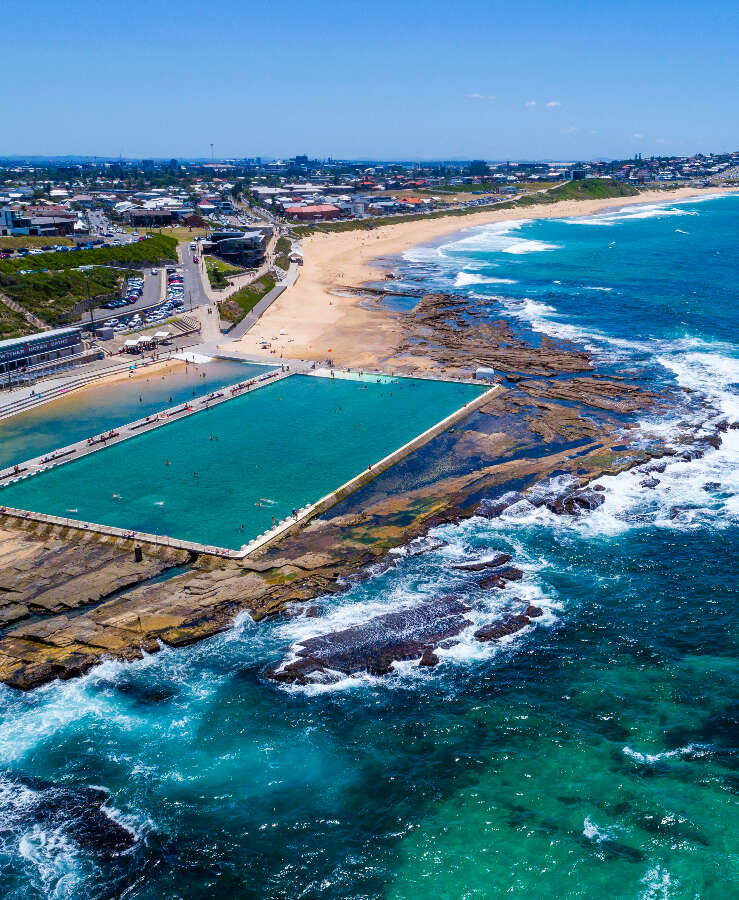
(318, 212)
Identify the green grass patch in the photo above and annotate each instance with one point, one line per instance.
(52, 295)
(218, 270)
(588, 189)
(283, 245)
(242, 302)
(14, 241)
(151, 251)
(283, 262)
(13, 324)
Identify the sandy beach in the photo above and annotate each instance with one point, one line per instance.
(320, 324)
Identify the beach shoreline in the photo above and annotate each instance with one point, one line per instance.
(322, 324)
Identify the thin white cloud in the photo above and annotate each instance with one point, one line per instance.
(570, 130)
(530, 103)
(477, 96)
(554, 103)
(638, 136)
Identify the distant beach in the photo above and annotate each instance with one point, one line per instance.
(320, 324)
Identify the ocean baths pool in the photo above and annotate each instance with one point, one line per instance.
(220, 477)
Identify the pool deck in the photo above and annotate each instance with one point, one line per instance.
(302, 516)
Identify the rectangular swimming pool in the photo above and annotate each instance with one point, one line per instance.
(220, 476)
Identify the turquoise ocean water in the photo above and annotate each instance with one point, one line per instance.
(593, 757)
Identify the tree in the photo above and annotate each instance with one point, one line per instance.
(479, 167)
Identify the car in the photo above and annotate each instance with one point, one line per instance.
(195, 259)
(155, 271)
(47, 247)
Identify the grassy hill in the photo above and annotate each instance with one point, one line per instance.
(12, 324)
(51, 295)
(153, 250)
(588, 189)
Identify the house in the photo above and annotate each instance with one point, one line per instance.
(14, 221)
(139, 216)
(319, 212)
(242, 248)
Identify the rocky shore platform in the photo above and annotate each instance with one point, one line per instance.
(70, 600)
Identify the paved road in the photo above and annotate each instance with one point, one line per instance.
(193, 285)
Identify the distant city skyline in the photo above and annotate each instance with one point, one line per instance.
(559, 81)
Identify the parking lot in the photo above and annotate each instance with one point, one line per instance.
(143, 306)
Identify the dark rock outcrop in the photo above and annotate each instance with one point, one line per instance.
(493, 508)
(429, 658)
(375, 645)
(499, 577)
(654, 467)
(649, 482)
(77, 811)
(574, 503)
(499, 559)
(533, 612)
(509, 624)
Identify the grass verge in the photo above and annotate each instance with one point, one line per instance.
(242, 302)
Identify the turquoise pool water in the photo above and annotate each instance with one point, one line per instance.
(219, 477)
(85, 413)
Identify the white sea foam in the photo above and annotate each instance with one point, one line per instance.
(464, 279)
(658, 884)
(652, 758)
(190, 356)
(499, 236)
(597, 833)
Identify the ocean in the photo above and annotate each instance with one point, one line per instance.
(590, 756)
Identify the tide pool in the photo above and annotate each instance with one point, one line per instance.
(220, 477)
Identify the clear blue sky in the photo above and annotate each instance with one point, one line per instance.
(383, 80)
